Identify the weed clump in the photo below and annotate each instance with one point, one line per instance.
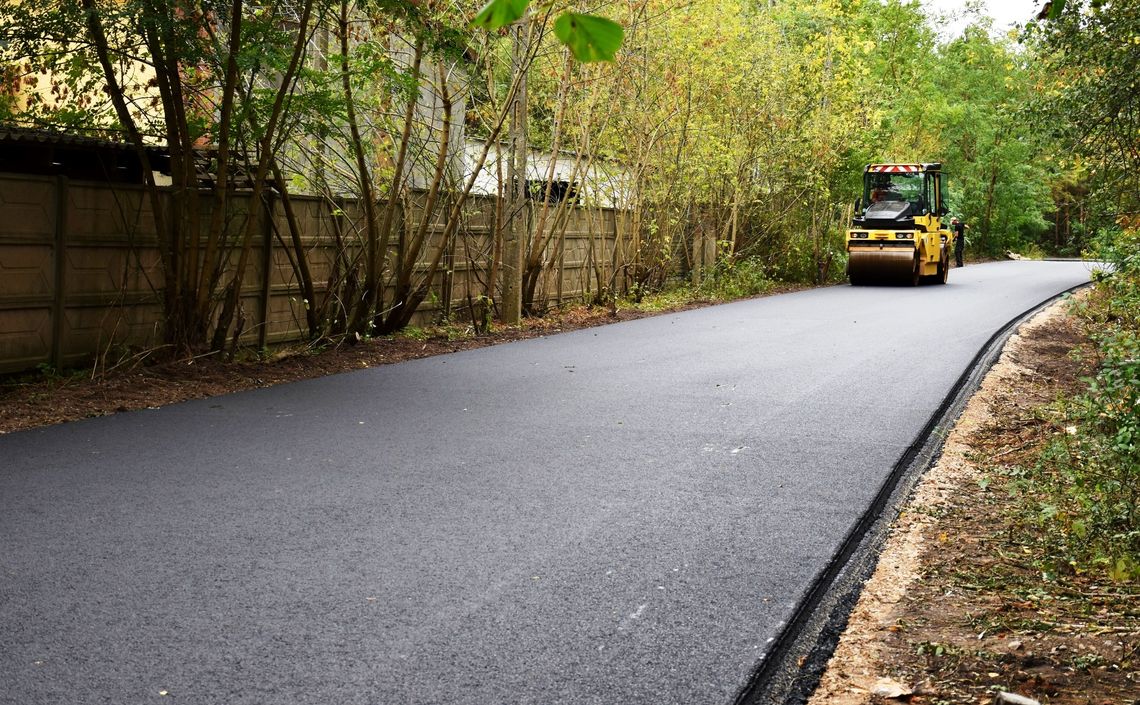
(1088, 474)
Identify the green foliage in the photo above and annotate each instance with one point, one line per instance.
(589, 38)
(668, 298)
(500, 13)
(725, 124)
(962, 106)
(1031, 250)
(414, 332)
(737, 279)
(55, 72)
(1087, 99)
(751, 126)
(1090, 471)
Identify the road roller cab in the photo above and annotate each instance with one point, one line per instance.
(897, 235)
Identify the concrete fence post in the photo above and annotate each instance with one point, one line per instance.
(266, 269)
(59, 262)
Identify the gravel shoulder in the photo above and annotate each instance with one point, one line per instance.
(956, 611)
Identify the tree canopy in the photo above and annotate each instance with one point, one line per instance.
(738, 124)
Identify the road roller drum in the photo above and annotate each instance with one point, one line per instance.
(886, 266)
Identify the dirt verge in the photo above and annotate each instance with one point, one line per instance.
(44, 398)
(957, 610)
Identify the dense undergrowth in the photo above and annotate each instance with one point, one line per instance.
(1087, 478)
(730, 279)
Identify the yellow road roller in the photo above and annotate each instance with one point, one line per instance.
(897, 235)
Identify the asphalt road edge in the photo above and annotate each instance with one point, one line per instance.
(791, 668)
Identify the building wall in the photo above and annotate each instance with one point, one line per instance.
(597, 182)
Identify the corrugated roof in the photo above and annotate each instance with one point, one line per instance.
(12, 133)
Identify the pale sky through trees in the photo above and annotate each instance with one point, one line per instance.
(1004, 12)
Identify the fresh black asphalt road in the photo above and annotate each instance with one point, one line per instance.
(622, 514)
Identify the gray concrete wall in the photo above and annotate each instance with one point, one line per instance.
(81, 272)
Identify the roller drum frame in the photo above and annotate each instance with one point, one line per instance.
(893, 265)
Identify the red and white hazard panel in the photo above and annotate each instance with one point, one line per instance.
(895, 168)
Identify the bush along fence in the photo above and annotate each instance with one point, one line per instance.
(82, 274)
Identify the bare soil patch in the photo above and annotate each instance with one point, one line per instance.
(960, 608)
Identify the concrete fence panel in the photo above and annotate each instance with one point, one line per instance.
(81, 269)
(29, 232)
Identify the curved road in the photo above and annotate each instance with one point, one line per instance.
(622, 514)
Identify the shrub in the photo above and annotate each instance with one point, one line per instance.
(1091, 471)
(737, 279)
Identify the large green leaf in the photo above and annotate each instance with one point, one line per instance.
(500, 13)
(590, 38)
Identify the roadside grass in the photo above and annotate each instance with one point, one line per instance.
(1001, 603)
(1050, 587)
(728, 280)
(1081, 492)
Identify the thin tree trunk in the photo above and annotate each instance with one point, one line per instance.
(204, 278)
(372, 294)
(419, 293)
(161, 43)
(514, 241)
(266, 149)
(166, 236)
(300, 257)
(534, 261)
(400, 313)
(991, 187)
(364, 174)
